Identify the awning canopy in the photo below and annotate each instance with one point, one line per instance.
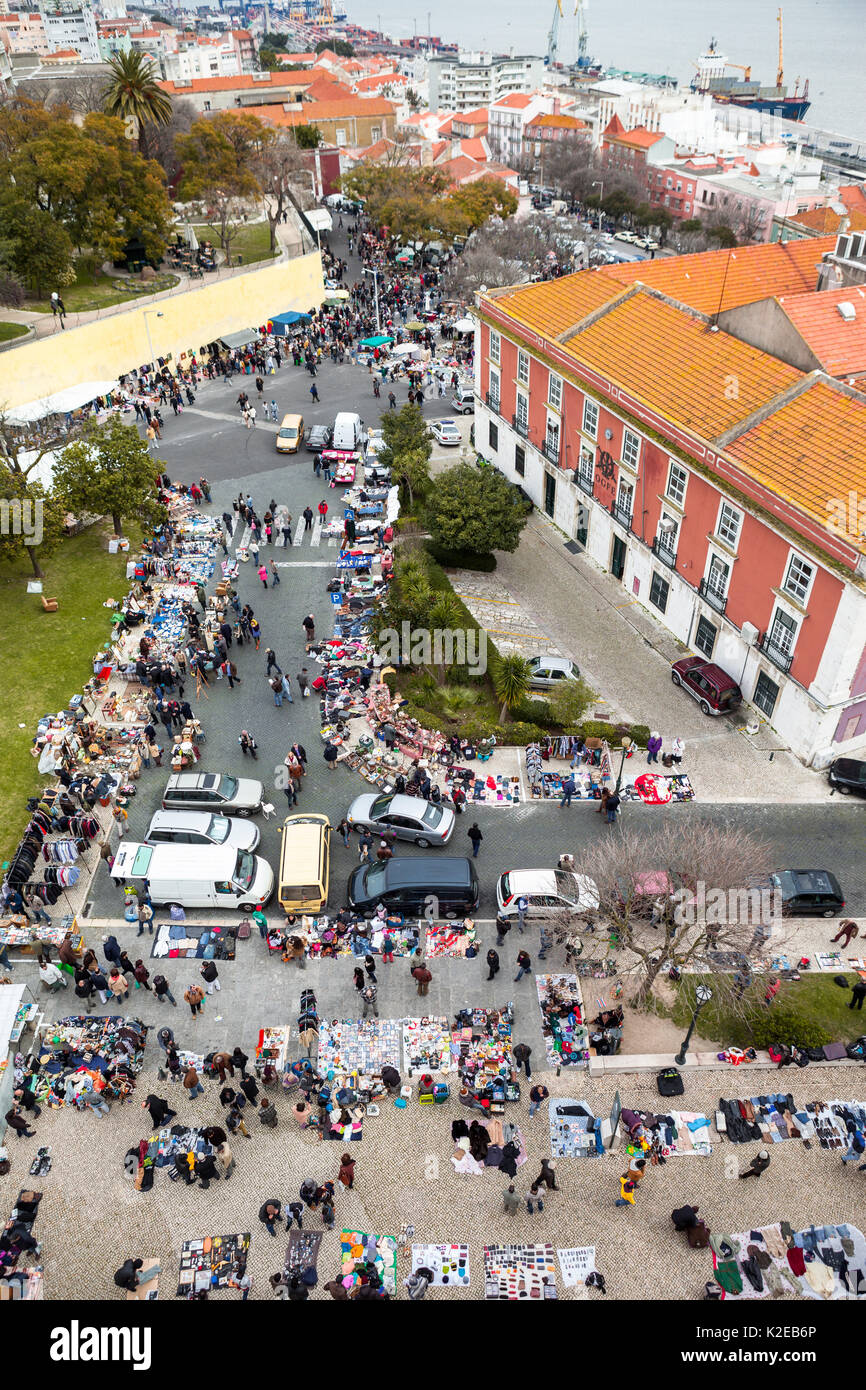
(464, 326)
(239, 340)
(379, 341)
(319, 218)
(406, 349)
(415, 326)
(72, 398)
(280, 323)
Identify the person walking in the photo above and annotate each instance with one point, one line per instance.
(330, 754)
(510, 1200)
(522, 909)
(192, 1083)
(474, 834)
(248, 744)
(369, 996)
(422, 977)
(537, 1096)
(858, 994)
(308, 518)
(226, 1160)
(210, 975)
(161, 990)
(611, 807)
(194, 996)
(346, 1175)
(240, 1059)
(492, 963)
(262, 572)
(142, 976)
(303, 680)
(309, 626)
(270, 1213)
(267, 1114)
(521, 1054)
(145, 918)
(524, 965)
(759, 1164)
(344, 829)
(235, 1122)
(627, 1192)
(275, 574)
(119, 985)
(314, 392)
(365, 844)
(503, 927)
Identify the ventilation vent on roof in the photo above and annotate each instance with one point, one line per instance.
(847, 310)
(858, 246)
(843, 246)
(261, 76)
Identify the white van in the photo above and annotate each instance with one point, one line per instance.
(195, 875)
(348, 431)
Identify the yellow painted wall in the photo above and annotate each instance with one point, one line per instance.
(107, 348)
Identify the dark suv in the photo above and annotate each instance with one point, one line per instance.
(715, 691)
(408, 885)
(848, 775)
(808, 892)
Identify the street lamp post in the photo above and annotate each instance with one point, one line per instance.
(158, 314)
(626, 745)
(599, 184)
(372, 270)
(703, 995)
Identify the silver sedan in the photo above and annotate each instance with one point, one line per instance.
(422, 823)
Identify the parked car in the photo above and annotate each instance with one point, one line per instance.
(212, 791)
(629, 237)
(201, 828)
(463, 401)
(290, 434)
(411, 885)
(409, 818)
(647, 243)
(808, 892)
(375, 441)
(715, 691)
(549, 893)
(318, 438)
(195, 876)
(445, 432)
(848, 775)
(549, 671)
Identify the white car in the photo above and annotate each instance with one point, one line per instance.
(375, 441)
(201, 828)
(646, 243)
(625, 236)
(549, 893)
(446, 432)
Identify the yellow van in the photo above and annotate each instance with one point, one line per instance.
(291, 434)
(305, 863)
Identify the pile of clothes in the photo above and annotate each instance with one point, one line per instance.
(827, 1262)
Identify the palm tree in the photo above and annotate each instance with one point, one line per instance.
(511, 681)
(446, 615)
(134, 94)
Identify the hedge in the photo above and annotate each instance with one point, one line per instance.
(787, 1025)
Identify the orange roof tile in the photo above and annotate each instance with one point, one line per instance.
(824, 220)
(246, 81)
(640, 138)
(780, 451)
(380, 79)
(326, 89)
(614, 127)
(840, 347)
(853, 195)
(517, 101)
(667, 358)
(477, 117)
(553, 306)
(323, 111)
(559, 122)
(748, 274)
(475, 148)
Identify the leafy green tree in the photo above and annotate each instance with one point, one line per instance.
(511, 681)
(570, 700)
(109, 472)
(134, 93)
(273, 40)
(473, 509)
(308, 137)
(34, 246)
(482, 199)
(218, 157)
(445, 615)
(31, 520)
(341, 47)
(691, 224)
(268, 60)
(407, 449)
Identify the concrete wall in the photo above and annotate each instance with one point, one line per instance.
(115, 344)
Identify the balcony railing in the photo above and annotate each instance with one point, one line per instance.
(584, 481)
(774, 653)
(665, 552)
(521, 426)
(713, 597)
(551, 451)
(621, 514)
(493, 402)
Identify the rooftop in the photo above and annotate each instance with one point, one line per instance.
(838, 344)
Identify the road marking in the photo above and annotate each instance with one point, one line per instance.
(316, 537)
(262, 424)
(299, 531)
(305, 564)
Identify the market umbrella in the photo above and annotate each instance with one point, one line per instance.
(405, 349)
(378, 341)
(464, 326)
(336, 297)
(415, 326)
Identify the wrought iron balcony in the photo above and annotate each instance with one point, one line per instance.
(713, 597)
(583, 481)
(665, 552)
(521, 426)
(774, 653)
(621, 514)
(493, 402)
(551, 451)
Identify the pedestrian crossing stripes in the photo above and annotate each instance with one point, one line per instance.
(299, 531)
(316, 537)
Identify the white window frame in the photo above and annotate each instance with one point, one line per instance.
(495, 346)
(795, 597)
(731, 544)
(554, 392)
(624, 486)
(521, 399)
(522, 367)
(775, 624)
(591, 416)
(631, 443)
(586, 465)
(725, 560)
(670, 493)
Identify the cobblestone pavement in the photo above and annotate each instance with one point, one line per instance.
(91, 1218)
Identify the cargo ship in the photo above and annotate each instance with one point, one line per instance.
(733, 91)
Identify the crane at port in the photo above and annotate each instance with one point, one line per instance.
(780, 71)
(582, 38)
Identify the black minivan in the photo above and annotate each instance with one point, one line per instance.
(409, 884)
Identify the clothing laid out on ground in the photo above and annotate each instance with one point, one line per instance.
(211, 1262)
(565, 1035)
(826, 1262)
(518, 1271)
(361, 1252)
(777, 1117)
(487, 1142)
(669, 1133)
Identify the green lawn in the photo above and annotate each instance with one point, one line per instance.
(253, 241)
(46, 657)
(8, 331)
(814, 999)
(100, 291)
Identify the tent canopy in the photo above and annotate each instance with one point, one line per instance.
(239, 340)
(281, 323)
(379, 341)
(464, 326)
(319, 219)
(406, 349)
(71, 398)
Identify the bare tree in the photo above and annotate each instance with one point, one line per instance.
(751, 225)
(686, 896)
(280, 167)
(570, 166)
(161, 138)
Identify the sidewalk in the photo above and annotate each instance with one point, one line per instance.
(626, 657)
